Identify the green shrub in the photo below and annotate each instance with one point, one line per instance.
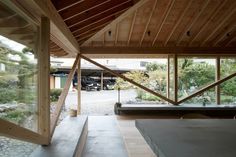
(7, 95)
(54, 94)
(16, 116)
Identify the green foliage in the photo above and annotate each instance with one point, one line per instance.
(16, 116)
(7, 95)
(54, 94)
(137, 76)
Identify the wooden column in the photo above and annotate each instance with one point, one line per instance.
(101, 80)
(217, 77)
(168, 78)
(44, 79)
(79, 86)
(175, 79)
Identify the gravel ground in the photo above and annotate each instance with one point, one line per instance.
(93, 103)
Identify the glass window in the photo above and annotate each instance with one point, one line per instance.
(18, 70)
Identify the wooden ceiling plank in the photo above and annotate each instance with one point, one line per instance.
(117, 20)
(60, 4)
(218, 26)
(178, 21)
(87, 36)
(13, 22)
(70, 5)
(230, 41)
(218, 8)
(167, 11)
(132, 27)
(95, 12)
(94, 28)
(107, 20)
(148, 22)
(193, 22)
(97, 18)
(226, 32)
(81, 9)
(117, 33)
(91, 23)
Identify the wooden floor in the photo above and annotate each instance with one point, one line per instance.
(135, 143)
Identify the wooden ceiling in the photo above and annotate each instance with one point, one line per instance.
(172, 23)
(85, 18)
(14, 27)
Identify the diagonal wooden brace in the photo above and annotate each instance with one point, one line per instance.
(128, 80)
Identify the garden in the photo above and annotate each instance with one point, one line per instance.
(193, 74)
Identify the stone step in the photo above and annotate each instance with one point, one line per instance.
(68, 140)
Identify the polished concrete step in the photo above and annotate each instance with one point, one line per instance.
(68, 139)
(104, 138)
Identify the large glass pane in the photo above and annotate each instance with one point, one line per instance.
(228, 88)
(193, 75)
(18, 70)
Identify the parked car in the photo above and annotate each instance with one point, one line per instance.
(108, 84)
(89, 84)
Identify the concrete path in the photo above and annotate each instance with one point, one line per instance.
(104, 138)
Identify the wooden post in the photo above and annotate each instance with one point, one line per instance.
(44, 79)
(176, 79)
(101, 80)
(168, 78)
(79, 86)
(216, 79)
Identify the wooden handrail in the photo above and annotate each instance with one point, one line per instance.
(128, 80)
(57, 112)
(207, 87)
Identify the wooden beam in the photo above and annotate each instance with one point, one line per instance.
(176, 78)
(160, 50)
(128, 80)
(217, 77)
(117, 20)
(60, 103)
(218, 26)
(79, 86)
(58, 28)
(132, 27)
(12, 130)
(168, 78)
(44, 79)
(180, 18)
(148, 22)
(193, 22)
(218, 8)
(207, 88)
(167, 11)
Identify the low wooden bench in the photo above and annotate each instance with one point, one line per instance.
(68, 140)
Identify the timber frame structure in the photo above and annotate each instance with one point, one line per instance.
(85, 29)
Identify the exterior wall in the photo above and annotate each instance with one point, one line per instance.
(52, 82)
(57, 82)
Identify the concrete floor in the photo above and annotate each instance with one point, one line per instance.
(112, 136)
(104, 138)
